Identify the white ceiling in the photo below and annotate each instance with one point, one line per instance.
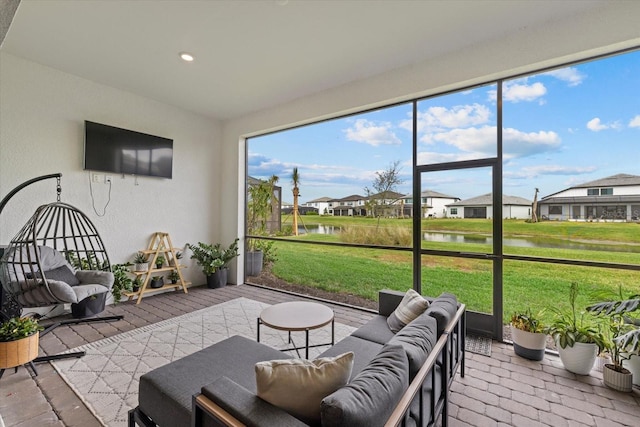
(252, 55)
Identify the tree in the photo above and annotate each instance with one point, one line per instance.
(534, 207)
(383, 185)
(260, 207)
(295, 181)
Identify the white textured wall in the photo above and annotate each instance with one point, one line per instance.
(42, 113)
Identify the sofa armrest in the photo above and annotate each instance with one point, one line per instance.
(227, 403)
(388, 300)
(95, 277)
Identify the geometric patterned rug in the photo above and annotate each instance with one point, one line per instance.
(478, 344)
(106, 378)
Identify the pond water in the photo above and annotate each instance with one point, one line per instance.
(485, 240)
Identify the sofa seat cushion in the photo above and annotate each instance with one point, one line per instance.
(364, 351)
(375, 330)
(245, 406)
(369, 399)
(417, 339)
(443, 309)
(299, 385)
(165, 393)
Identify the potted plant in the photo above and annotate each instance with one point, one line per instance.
(160, 261)
(528, 336)
(121, 281)
(19, 339)
(137, 283)
(179, 255)
(140, 262)
(577, 336)
(174, 277)
(214, 261)
(157, 282)
(623, 340)
(260, 203)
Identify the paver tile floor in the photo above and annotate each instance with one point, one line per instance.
(501, 390)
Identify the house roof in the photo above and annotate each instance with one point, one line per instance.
(618, 180)
(432, 194)
(320, 200)
(487, 200)
(252, 56)
(350, 198)
(621, 179)
(387, 195)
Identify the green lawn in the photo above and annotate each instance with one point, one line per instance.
(526, 284)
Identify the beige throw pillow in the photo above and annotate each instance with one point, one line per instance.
(299, 385)
(411, 306)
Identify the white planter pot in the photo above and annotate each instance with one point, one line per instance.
(143, 266)
(621, 381)
(578, 359)
(528, 344)
(633, 365)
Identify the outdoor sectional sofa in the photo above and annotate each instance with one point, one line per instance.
(397, 379)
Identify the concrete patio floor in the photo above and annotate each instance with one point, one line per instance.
(501, 390)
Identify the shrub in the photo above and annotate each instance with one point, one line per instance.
(384, 236)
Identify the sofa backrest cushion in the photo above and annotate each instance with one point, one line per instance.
(370, 398)
(443, 309)
(299, 385)
(417, 339)
(412, 305)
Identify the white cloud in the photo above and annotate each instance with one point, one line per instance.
(570, 75)
(482, 142)
(440, 118)
(529, 172)
(516, 92)
(635, 122)
(368, 132)
(596, 125)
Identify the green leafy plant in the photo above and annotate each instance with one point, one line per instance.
(527, 321)
(18, 327)
(160, 260)
(139, 258)
(269, 252)
(121, 280)
(624, 335)
(260, 206)
(213, 257)
(174, 276)
(571, 326)
(137, 283)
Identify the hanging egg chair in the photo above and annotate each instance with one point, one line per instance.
(57, 257)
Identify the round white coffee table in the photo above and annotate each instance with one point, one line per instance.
(298, 316)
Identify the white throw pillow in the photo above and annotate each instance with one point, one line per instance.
(411, 306)
(299, 385)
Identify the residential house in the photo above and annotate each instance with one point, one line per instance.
(353, 205)
(323, 205)
(513, 207)
(432, 203)
(614, 198)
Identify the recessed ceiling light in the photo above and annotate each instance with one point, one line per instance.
(186, 56)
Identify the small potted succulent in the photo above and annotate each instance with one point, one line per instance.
(19, 339)
(140, 262)
(174, 277)
(527, 333)
(157, 282)
(135, 286)
(160, 260)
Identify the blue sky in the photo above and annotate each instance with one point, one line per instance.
(560, 128)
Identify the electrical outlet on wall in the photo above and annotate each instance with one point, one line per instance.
(108, 179)
(95, 177)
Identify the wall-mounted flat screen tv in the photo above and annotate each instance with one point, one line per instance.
(111, 149)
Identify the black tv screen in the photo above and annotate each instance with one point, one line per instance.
(111, 149)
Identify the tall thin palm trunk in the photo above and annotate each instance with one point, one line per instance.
(295, 180)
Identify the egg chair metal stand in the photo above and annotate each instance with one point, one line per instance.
(56, 258)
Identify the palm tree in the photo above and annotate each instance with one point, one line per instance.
(295, 180)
